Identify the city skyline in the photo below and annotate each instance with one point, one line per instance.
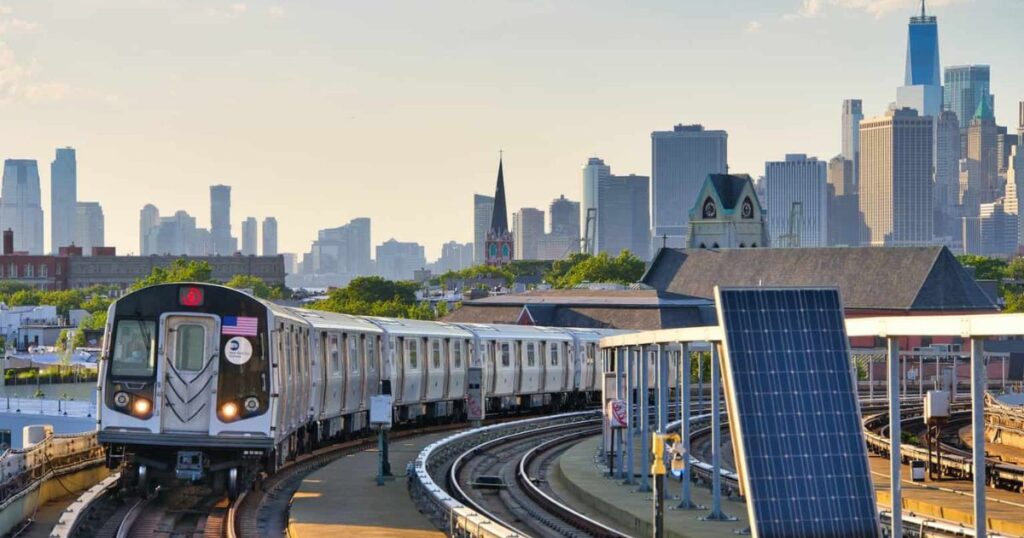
(200, 114)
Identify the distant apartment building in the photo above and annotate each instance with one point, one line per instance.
(20, 208)
(797, 192)
(149, 219)
(343, 251)
(249, 238)
(398, 260)
(220, 220)
(681, 160)
(455, 256)
(483, 207)
(270, 236)
(895, 194)
(89, 229)
(528, 230)
(63, 197)
(992, 233)
(622, 207)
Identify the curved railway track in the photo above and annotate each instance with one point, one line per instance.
(505, 479)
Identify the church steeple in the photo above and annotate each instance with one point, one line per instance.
(499, 216)
(499, 242)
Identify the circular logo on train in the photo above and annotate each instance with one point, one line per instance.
(238, 350)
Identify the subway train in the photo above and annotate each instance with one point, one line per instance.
(208, 384)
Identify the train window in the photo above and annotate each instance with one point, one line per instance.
(190, 347)
(371, 353)
(506, 353)
(484, 350)
(553, 354)
(335, 355)
(353, 353)
(457, 354)
(411, 348)
(531, 355)
(591, 351)
(435, 354)
(134, 349)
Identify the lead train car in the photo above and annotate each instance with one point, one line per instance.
(202, 382)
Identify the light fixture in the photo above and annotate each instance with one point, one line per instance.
(229, 410)
(141, 406)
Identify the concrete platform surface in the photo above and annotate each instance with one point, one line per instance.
(578, 479)
(344, 500)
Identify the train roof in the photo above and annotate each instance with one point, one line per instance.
(511, 332)
(334, 321)
(419, 327)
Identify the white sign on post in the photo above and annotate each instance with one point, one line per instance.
(616, 414)
(380, 411)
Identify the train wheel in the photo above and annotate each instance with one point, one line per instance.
(233, 483)
(143, 480)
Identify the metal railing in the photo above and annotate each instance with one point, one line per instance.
(25, 468)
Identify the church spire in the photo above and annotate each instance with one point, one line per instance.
(499, 216)
(922, 9)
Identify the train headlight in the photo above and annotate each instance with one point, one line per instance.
(121, 399)
(229, 411)
(141, 407)
(251, 404)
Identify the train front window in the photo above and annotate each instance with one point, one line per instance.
(190, 348)
(134, 349)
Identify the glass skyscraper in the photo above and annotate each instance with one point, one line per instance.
(965, 87)
(922, 89)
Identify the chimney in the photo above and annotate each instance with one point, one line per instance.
(8, 242)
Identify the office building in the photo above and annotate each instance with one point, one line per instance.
(249, 237)
(20, 208)
(174, 235)
(895, 194)
(727, 214)
(499, 248)
(565, 218)
(483, 207)
(89, 232)
(63, 197)
(270, 236)
(622, 208)
(965, 87)
(982, 162)
(844, 222)
(343, 252)
(149, 219)
(220, 220)
(797, 192)
(398, 261)
(681, 160)
(996, 229)
(852, 114)
(1015, 189)
(528, 229)
(455, 256)
(946, 192)
(922, 89)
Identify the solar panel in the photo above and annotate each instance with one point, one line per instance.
(794, 413)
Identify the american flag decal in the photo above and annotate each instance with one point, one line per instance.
(238, 326)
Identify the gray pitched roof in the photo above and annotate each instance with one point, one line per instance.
(906, 278)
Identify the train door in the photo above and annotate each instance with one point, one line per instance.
(397, 368)
(490, 352)
(372, 367)
(318, 367)
(433, 384)
(335, 375)
(191, 349)
(353, 373)
(456, 370)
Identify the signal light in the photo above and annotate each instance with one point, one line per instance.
(190, 296)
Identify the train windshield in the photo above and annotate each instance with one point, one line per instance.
(134, 349)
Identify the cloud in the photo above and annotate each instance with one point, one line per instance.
(276, 11)
(808, 9)
(19, 81)
(878, 8)
(230, 11)
(752, 27)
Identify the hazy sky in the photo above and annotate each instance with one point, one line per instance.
(317, 112)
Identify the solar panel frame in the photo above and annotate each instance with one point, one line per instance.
(830, 344)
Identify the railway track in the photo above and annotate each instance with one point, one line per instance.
(505, 479)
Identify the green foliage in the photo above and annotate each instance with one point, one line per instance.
(375, 296)
(68, 340)
(476, 272)
(561, 268)
(92, 299)
(258, 287)
(623, 269)
(96, 321)
(181, 270)
(985, 268)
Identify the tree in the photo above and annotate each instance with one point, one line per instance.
(96, 321)
(984, 268)
(68, 340)
(623, 269)
(258, 287)
(181, 270)
(375, 296)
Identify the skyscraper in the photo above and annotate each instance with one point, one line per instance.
(844, 222)
(397, 260)
(63, 197)
(681, 160)
(947, 178)
(20, 208)
(565, 218)
(797, 192)
(965, 87)
(982, 163)
(483, 207)
(454, 257)
(528, 228)
(89, 232)
(499, 244)
(1015, 189)
(922, 89)
(149, 219)
(622, 210)
(270, 236)
(249, 239)
(896, 179)
(852, 114)
(220, 219)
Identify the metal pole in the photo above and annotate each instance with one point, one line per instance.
(631, 423)
(685, 500)
(645, 418)
(716, 442)
(952, 396)
(978, 432)
(920, 376)
(1002, 364)
(380, 457)
(662, 424)
(895, 492)
(620, 377)
(663, 407)
(871, 377)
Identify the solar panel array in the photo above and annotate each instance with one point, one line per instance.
(794, 408)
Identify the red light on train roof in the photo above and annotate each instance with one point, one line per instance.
(190, 296)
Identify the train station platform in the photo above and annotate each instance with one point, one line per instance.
(342, 499)
(580, 481)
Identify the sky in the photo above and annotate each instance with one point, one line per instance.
(317, 112)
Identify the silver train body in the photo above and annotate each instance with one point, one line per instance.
(201, 381)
